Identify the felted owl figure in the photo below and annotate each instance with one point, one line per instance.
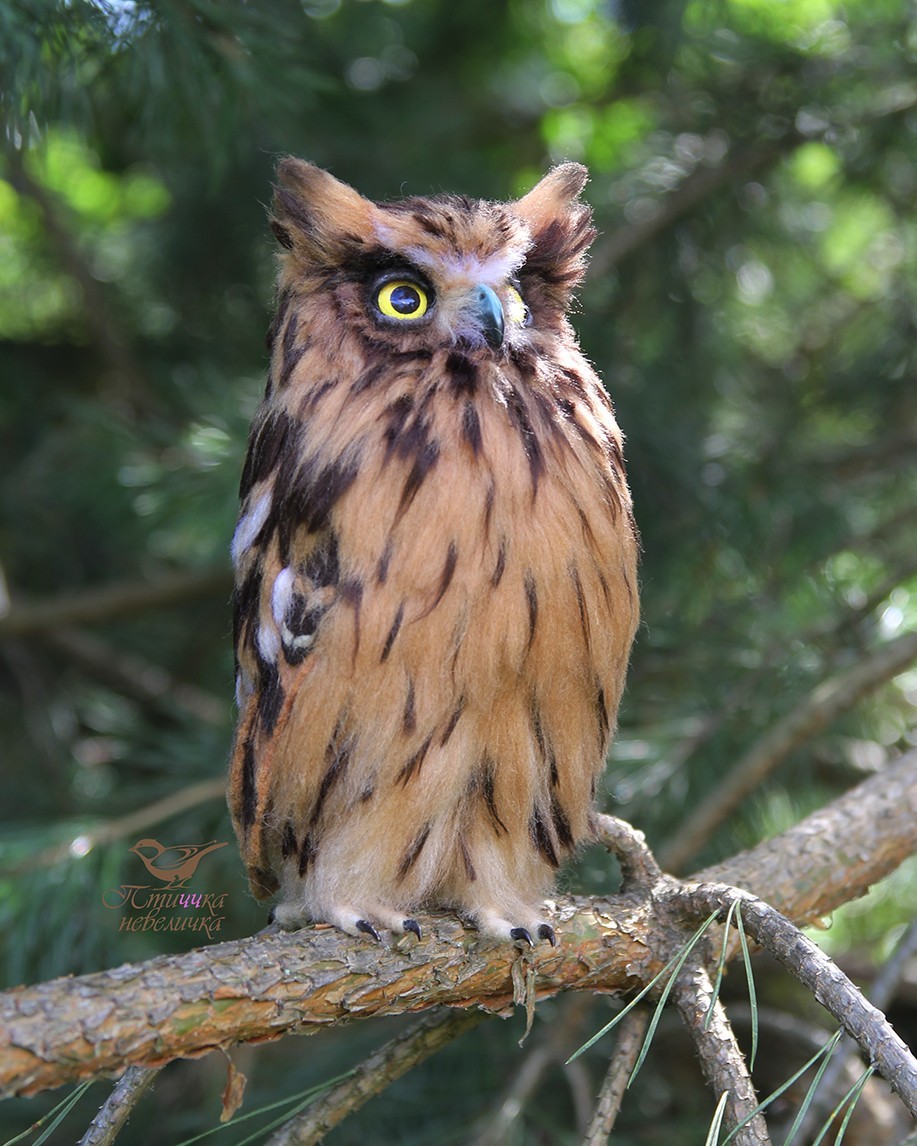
(435, 562)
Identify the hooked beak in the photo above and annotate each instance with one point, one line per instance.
(489, 312)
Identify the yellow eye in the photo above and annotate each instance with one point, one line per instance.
(516, 310)
(402, 299)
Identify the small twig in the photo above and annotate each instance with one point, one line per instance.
(722, 1061)
(136, 677)
(721, 1058)
(639, 868)
(631, 1033)
(131, 824)
(428, 1035)
(116, 1110)
(581, 1093)
(816, 711)
(551, 1048)
(521, 1088)
(811, 966)
(111, 601)
(695, 188)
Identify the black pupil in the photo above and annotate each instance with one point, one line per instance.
(404, 299)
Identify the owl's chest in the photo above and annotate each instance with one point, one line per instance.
(456, 492)
(476, 538)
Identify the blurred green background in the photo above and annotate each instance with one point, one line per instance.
(751, 306)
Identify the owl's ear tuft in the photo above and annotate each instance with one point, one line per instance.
(553, 195)
(560, 226)
(316, 215)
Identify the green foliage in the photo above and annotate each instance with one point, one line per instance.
(751, 307)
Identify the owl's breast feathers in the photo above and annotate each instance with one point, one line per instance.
(435, 602)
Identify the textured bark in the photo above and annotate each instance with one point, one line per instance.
(834, 855)
(271, 985)
(811, 966)
(628, 1044)
(721, 1060)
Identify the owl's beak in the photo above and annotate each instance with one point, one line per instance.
(489, 313)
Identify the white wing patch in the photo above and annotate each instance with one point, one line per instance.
(249, 526)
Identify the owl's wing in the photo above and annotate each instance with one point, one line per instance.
(280, 605)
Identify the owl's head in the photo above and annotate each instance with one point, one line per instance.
(423, 273)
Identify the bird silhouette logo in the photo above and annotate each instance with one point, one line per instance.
(173, 865)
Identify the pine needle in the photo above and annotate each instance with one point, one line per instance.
(807, 1101)
(720, 966)
(750, 980)
(713, 1134)
(827, 1050)
(58, 1114)
(852, 1097)
(302, 1100)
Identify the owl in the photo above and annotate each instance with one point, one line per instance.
(435, 562)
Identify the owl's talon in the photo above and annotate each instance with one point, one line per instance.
(546, 931)
(521, 935)
(272, 916)
(367, 928)
(413, 926)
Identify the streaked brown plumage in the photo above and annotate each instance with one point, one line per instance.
(435, 561)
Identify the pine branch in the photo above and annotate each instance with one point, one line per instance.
(880, 994)
(132, 824)
(114, 1113)
(813, 968)
(630, 1037)
(814, 712)
(427, 1036)
(275, 984)
(722, 1062)
(806, 873)
(111, 601)
(137, 677)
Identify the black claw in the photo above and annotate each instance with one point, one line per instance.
(546, 931)
(413, 926)
(271, 916)
(519, 934)
(367, 928)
